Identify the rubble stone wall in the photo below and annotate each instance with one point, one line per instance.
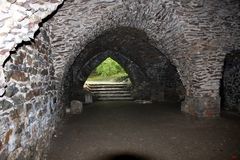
(31, 106)
(28, 101)
(19, 20)
(194, 35)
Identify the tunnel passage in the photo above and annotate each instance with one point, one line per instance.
(152, 74)
(230, 83)
(136, 75)
(109, 81)
(193, 34)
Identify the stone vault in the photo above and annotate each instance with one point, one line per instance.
(190, 38)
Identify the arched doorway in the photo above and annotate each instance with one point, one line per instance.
(137, 77)
(108, 82)
(153, 76)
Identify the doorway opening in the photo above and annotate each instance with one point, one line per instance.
(109, 82)
(108, 71)
(151, 74)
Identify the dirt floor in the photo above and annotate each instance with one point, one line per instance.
(131, 131)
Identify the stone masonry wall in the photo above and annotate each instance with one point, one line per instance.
(30, 108)
(28, 103)
(19, 20)
(194, 35)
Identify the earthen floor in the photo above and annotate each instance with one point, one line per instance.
(127, 130)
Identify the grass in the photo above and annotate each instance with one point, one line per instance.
(108, 70)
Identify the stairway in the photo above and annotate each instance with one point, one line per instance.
(110, 91)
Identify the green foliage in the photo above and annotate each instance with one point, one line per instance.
(109, 68)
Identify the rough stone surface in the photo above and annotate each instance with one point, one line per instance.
(30, 108)
(202, 106)
(76, 107)
(19, 20)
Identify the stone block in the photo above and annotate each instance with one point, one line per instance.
(88, 98)
(19, 76)
(4, 105)
(76, 107)
(11, 90)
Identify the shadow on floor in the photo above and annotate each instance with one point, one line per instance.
(125, 156)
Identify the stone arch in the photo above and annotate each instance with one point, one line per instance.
(189, 33)
(172, 27)
(132, 49)
(152, 18)
(161, 22)
(129, 66)
(137, 76)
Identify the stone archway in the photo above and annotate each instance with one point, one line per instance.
(170, 26)
(193, 35)
(135, 72)
(148, 68)
(157, 33)
(138, 78)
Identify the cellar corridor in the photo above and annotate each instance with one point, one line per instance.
(182, 58)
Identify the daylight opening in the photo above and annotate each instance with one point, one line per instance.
(108, 71)
(109, 82)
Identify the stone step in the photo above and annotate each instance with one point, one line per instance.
(108, 84)
(111, 91)
(115, 99)
(113, 87)
(117, 87)
(112, 95)
(108, 89)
